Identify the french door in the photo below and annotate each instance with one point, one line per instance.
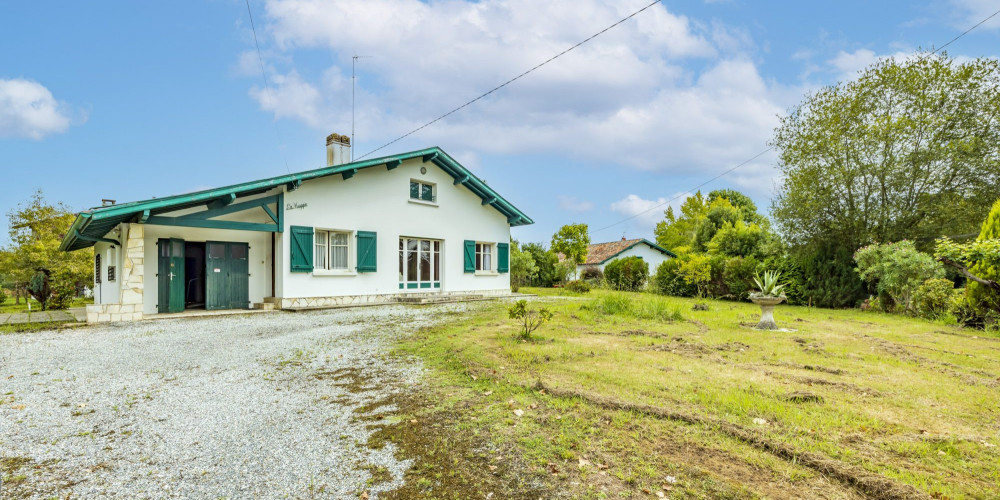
(419, 264)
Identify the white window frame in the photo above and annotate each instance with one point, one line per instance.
(419, 199)
(326, 268)
(112, 264)
(406, 284)
(481, 246)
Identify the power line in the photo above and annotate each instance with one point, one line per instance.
(758, 155)
(699, 186)
(508, 82)
(267, 88)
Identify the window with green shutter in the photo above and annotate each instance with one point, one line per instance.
(367, 252)
(301, 249)
(503, 257)
(470, 256)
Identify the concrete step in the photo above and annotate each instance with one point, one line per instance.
(436, 299)
(265, 306)
(271, 300)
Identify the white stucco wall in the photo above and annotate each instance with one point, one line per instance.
(379, 200)
(106, 292)
(652, 257)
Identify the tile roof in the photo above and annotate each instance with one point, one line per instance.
(600, 252)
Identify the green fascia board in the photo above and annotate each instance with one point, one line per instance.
(86, 222)
(650, 243)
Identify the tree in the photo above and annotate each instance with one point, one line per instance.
(33, 260)
(720, 212)
(522, 267)
(897, 269)
(546, 260)
(746, 206)
(908, 150)
(572, 241)
(676, 233)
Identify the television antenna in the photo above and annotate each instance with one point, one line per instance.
(354, 62)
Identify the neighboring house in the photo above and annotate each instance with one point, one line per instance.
(599, 254)
(362, 232)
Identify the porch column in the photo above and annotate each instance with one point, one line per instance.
(132, 282)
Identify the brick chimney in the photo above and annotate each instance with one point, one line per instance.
(338, 149)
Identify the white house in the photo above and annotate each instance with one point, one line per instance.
(599, 254)
(370, 231)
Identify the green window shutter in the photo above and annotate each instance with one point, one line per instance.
(414, 190)
(367, 254)
(301, 249)
(470, 256)
(503, 257)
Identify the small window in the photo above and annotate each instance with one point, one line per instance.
(332, 250)
(112, 260)
(216, 251)
(238, 252)
(422, 191)
(484, 256)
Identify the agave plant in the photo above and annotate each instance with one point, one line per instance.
(768, 284)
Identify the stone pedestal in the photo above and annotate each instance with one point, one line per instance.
(767, 311)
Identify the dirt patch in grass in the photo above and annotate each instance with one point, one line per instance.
(449, 462)
(867, 483)
(847, 387)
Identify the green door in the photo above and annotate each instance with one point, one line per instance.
(239, 275)
(227, 284)
(170, 277)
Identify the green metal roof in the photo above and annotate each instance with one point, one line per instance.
(91, 225)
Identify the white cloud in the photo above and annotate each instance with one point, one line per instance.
(975, 11)
(628, 98)
(27, 109)
(848, 64)
(572, 204)
(647, 212)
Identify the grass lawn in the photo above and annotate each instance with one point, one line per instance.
(10, 307)
(636, 395)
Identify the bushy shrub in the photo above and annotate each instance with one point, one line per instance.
(592, 275)
(522, 267)
(669, 282)
(982, 298)
(627, 274)
(933, 298)
(738, 276)
(897, 269)
(827, 277)
(577, 286)
(696, 270)
(3, 295)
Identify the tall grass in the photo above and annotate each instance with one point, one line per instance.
(635, 306)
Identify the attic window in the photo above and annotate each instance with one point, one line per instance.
(422, 191)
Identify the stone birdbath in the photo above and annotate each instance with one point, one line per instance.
(767, 304)
(767, 296)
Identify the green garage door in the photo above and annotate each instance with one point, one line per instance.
(227, 283)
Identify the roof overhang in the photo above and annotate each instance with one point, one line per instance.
(91, 225)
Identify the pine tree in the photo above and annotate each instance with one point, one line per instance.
(981, 297)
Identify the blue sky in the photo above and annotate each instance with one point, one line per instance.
(130, 100)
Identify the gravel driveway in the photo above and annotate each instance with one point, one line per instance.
(262, 406)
